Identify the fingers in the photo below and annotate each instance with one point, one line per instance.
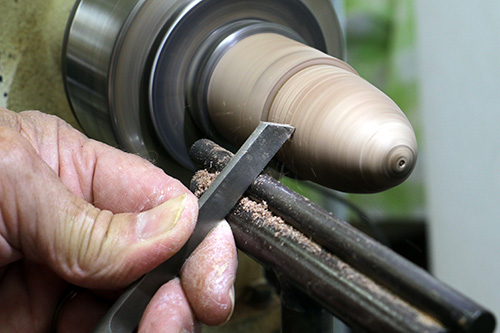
(114, 250)
(139, 218)
(206, 292)
(208, 276)
(28, 297)
(81, 312)
(43, 221)
(92, 170)
(169, 311)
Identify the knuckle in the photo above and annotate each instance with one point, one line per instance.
(14, 150)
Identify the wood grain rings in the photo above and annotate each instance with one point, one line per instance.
(349, 135)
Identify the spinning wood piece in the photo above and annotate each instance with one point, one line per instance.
(349, 135)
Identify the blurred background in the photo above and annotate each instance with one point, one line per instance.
(440, 61)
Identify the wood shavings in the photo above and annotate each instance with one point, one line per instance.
(259, 211)
(266, 219)
(201, 181)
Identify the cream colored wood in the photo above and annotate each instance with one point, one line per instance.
(248, 76)
(349, 135)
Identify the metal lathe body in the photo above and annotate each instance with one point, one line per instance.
(155, 76)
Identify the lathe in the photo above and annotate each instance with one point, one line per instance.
(155, 76)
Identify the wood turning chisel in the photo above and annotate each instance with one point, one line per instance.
(215, 204)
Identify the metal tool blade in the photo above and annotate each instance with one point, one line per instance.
(215, 204)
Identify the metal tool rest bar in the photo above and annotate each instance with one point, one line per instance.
(354, 277)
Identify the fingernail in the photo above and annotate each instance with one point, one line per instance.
(231, 296)
(160, 219)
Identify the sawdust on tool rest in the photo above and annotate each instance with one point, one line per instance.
(260, 212)
(201, 181)
(266, 219)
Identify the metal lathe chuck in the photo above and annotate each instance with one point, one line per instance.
(154, 76)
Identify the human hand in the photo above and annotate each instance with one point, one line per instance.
(76, 211)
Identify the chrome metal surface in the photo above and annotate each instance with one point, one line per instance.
(114, 49)
(92, 33)
(206, 58)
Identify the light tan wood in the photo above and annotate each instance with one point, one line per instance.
(248, 77)
(349, 135)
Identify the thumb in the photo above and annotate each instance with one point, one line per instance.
(44, 221)
(97, 249)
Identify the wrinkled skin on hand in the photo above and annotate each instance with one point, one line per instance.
(76, 211)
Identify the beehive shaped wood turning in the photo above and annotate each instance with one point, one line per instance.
(349, 135)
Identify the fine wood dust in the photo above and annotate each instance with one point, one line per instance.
(201, 181)
(260, 213)
(266, 219)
